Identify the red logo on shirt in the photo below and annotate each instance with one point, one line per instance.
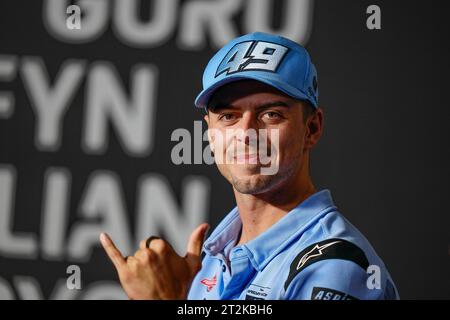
(209, 283)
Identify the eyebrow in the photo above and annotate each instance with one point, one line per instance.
(219, 106)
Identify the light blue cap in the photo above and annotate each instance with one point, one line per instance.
(271, 59)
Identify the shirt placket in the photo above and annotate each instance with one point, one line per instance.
(241, 272)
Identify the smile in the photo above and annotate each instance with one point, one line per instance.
(253, 157)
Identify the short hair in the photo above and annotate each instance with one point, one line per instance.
(307, 109)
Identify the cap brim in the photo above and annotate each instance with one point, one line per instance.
(203, 98)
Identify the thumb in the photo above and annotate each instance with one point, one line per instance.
(195, 244)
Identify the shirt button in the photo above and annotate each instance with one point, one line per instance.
(224, 268)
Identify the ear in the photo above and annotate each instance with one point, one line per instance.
(314, 128)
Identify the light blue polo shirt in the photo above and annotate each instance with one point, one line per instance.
(312, 252)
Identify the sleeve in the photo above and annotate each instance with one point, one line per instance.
(333, 279)
(334, 269)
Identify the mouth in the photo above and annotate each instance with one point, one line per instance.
(246, 158)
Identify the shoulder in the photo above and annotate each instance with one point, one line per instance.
(334, 260)
(329, 249)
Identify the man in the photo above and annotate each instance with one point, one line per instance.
(285, 239)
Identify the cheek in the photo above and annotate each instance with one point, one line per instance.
(290, 144)
(216, 141)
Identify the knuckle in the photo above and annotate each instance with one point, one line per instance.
(113, 255)
(131, 261)
(160, 246)
(145, 254)
(143, 257)
(133, 268)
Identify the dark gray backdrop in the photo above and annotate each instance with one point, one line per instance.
(384, 153)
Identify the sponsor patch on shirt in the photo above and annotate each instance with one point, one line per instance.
(257, 292)
(319, 293)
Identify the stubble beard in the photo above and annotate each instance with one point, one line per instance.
(259, 183)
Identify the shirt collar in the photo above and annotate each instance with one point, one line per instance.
(267, 245)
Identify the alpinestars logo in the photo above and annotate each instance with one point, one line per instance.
(314, 252)
(209, 283)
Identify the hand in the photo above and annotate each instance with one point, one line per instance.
(157, 272)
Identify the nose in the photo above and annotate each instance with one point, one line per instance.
(248, 124)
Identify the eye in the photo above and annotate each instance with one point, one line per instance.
(271, 115)
(227, 117)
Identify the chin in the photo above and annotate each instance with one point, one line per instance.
(254, 184)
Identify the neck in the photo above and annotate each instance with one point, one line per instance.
(259, 212)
